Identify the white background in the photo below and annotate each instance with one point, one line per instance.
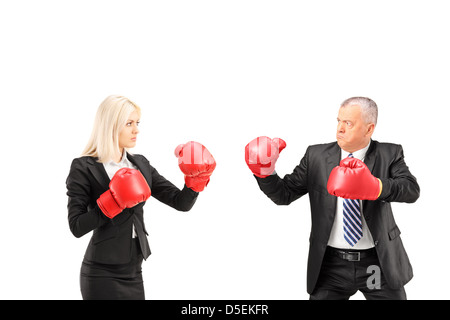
(220, 73)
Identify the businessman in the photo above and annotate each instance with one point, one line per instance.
(355, 242)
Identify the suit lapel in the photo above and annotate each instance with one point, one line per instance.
(369, 160)
(138, 219)
(98, 171)
(370, 157)
(333, 158)
(143, 167)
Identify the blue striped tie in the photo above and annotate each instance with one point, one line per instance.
(352, 220)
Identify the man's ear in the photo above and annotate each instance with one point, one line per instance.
(370, 129)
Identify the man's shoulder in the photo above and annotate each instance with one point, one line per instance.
(387, 147)
(385, 144)
(322, 147)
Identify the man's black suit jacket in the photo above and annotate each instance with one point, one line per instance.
(111, 240)
(386, 162)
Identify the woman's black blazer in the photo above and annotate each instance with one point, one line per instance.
(111, 240)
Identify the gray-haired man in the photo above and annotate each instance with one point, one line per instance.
(353, 245)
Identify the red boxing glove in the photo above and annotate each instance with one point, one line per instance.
(197, 164)
(353, 180)
(127, 188)
(262, 153)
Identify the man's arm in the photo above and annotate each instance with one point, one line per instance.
(401, 186)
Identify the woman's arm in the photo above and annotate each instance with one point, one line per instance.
(166, 192)
(83, 215)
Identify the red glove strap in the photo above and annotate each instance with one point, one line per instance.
(108, 205)
(197, 183)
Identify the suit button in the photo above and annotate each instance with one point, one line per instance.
(375, 242)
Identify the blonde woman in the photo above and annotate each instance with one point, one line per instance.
(107, 188)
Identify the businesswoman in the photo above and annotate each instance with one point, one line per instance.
(107, 188)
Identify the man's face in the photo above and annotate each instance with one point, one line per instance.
(353, 133)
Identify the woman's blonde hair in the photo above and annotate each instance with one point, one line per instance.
(112, 115)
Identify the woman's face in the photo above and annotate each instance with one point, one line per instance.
(128, 134)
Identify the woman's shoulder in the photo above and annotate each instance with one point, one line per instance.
(139, 157)
(83, 161)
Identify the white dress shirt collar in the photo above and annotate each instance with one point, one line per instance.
(359, 154)
(112, 167)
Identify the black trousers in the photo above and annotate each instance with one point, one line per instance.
(113, 282)
(339, 278)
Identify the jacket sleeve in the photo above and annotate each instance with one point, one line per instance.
(166, 192)
(401, 185)
(83, 215)
(290, 188)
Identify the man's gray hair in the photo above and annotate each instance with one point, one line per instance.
(369, 108)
